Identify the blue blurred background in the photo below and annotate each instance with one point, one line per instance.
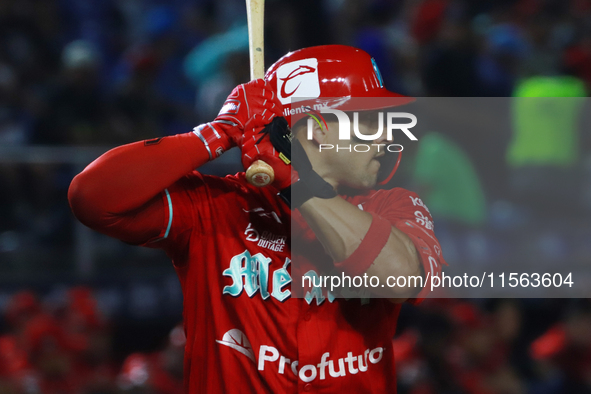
(81, 313)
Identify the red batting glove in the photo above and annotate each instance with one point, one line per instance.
(254, 101)
(257, 146)
(275, 145)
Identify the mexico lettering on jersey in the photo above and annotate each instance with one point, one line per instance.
(230, 244)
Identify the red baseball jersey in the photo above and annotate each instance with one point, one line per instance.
(230, 244)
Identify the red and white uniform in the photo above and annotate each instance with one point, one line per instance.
(230, 245)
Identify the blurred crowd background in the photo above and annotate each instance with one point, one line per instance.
(80, 313)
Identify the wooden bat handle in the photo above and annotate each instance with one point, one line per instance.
(259, 173)
(255, 14)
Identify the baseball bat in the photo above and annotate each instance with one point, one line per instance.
(259, 173)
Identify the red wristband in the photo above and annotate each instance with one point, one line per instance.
(369, 249)
(216, 142)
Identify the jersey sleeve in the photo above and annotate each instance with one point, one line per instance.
(407, 212)
(194, 207)
(185, 211)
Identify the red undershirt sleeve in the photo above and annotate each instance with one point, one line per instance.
(124, 193)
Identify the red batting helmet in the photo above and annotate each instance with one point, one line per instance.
(334, 76)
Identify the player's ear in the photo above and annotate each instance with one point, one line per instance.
(319, 133)
(310, 131)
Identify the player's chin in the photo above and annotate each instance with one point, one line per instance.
(374, 168)
(375, 164)
(370, 180)
(363, 181)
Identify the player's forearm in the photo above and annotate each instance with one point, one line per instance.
(128, 176)
(338, 225)
(341, 228)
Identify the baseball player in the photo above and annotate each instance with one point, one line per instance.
(231, 243)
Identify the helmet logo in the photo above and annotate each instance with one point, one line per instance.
(301, 70)
(300, 76)
(377, 71)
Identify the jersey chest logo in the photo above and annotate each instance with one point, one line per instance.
(265, 239)
(251, 274)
